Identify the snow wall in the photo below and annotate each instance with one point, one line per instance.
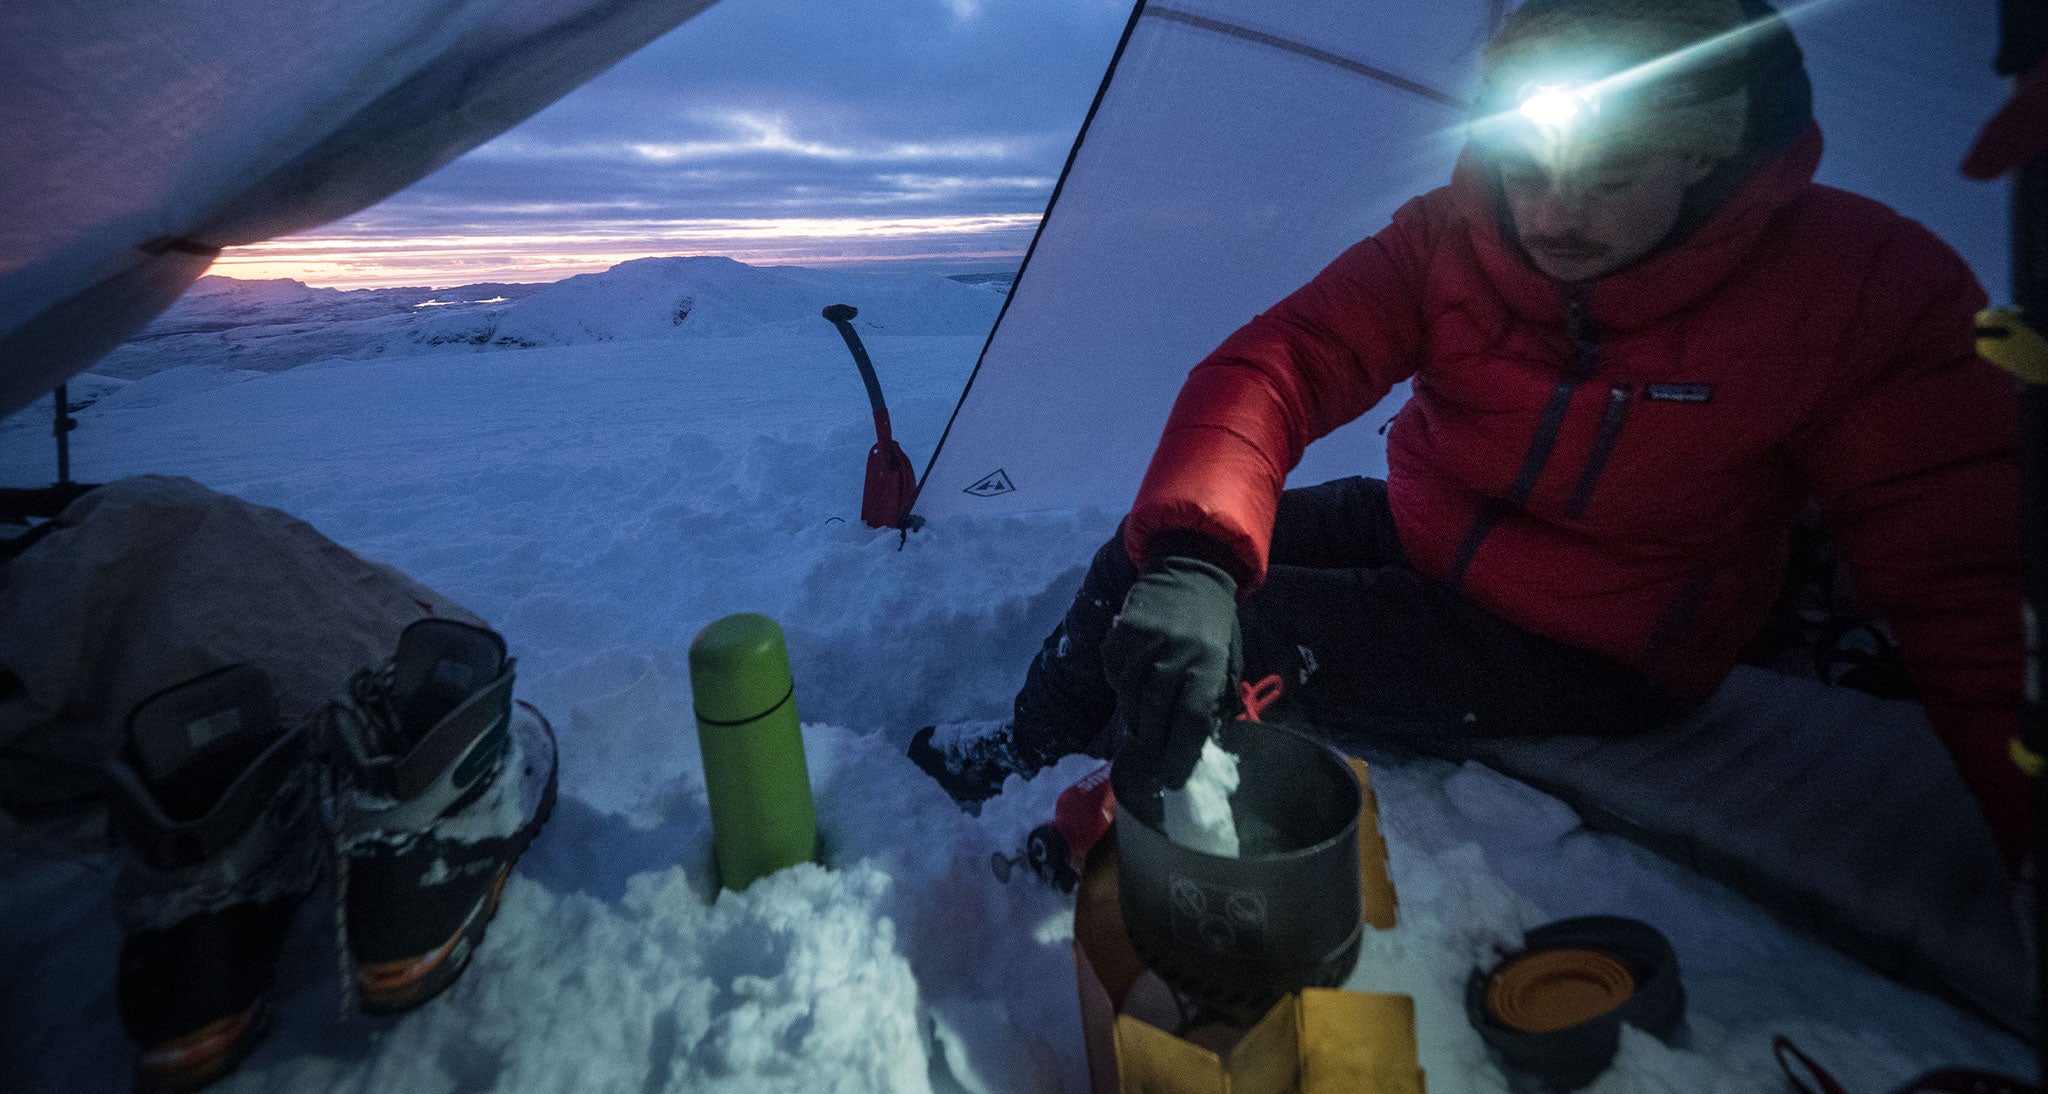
(1240, 145)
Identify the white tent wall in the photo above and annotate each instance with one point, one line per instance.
(138, 136)
(1226, 163)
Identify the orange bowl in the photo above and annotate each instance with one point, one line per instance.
(1550, 990)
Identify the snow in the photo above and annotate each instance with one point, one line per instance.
(269, 326)
(600, 503)
(710, 297)
(1198, 815)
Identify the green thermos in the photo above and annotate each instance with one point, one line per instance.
(762, 814)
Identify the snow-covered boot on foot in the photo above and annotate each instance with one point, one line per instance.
(213, 809)
(971, 760)
(438, 784)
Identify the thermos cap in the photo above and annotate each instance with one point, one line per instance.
(739, 669)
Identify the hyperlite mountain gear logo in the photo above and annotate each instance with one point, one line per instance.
(992, 484)
(1679, 393)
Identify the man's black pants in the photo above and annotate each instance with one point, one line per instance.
(1366, 647)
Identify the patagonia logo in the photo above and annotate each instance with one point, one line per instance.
(1680, 393)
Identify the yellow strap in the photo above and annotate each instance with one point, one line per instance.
(2028, 760)
(2006, 340)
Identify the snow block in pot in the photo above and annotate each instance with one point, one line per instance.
(1234, 935)
(1317, 1041)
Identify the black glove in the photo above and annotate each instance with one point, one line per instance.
(1172, 655)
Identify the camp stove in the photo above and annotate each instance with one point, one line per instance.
(1056, 852)
(1232, 935)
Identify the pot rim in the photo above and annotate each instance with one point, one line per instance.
(1328, 751)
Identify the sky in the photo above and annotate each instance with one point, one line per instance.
(813, 132)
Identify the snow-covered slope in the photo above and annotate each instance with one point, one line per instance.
(268, 326)
(602, 503)
(240, 327)
(710, 297)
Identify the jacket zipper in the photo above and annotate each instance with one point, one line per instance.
(1603, 447)
(1586, 360)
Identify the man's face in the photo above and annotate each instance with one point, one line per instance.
(1601, 215)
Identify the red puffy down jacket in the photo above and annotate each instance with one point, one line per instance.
(1617, 467)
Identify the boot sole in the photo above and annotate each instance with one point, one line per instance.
(202, 1056)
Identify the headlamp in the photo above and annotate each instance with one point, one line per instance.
(1571, 110)
(1554, 107)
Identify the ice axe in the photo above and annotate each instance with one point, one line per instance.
(891, 484)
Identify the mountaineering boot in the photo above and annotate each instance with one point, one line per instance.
(438, 782)
(1065, 706)
(213, 810)
(970, 760)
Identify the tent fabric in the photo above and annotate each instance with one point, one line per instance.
(1240, 145)
(1836, 810)
(149, 581)
(140, 136)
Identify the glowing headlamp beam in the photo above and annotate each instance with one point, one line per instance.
(1554, 108)
(1551, 107)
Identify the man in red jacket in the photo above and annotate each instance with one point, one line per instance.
(1640, 338)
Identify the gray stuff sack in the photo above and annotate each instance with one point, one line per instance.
(150, 581)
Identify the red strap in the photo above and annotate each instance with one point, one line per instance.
(1824, 1083)
(1949, 1080)
(1960, 1080)
(1257, 697)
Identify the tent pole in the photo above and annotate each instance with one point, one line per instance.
(62, 428)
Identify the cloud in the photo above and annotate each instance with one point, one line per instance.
(790, 112)
(753, 133)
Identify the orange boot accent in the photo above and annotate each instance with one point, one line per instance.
(201, 1056)
(391, 985)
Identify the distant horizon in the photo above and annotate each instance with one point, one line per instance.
(236, 265)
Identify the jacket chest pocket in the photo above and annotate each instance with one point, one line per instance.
(1674, 458)
(1612, 417)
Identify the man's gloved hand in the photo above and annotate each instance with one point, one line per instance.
(1171, 656)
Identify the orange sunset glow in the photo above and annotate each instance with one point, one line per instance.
(368, 259)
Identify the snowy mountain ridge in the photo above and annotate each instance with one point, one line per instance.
(276, 324)
(715, 297)
(279, 323)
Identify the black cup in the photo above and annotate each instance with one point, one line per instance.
(1234, 935)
